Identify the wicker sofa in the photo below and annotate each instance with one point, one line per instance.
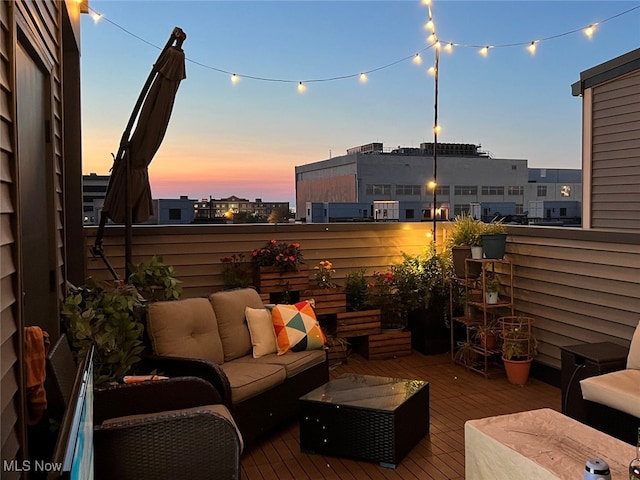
(613, 399)
(210, 338)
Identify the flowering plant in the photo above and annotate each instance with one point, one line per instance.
(235, 273)
(324, 273)
(286, 257)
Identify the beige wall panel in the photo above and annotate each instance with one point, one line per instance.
(619, 119)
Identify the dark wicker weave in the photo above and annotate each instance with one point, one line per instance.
(613, 422)
(191, 445)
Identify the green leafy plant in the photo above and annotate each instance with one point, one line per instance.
(108, 320)
(466, 230)
(491, 284)
(518, 340)
(494, 228)
(235, 272)
(285, 256)
(155, 280)
(356, 289)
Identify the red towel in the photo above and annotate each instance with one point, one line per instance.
(36, 346)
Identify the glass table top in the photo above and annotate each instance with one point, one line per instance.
(365, 391)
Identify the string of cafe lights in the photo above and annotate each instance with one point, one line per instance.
(363, 76)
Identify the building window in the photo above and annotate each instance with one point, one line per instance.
(565, 191)
(519, 209)
(407, 189)
(175, 214)
(514, 167)
(466, 190)
(374, 189)
(492, 190)
(409, 214)
(442, 190)
(542, 191)
(515, 190)
(563, 211)
(461, 209)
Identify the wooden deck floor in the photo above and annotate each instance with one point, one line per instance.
(457, 395)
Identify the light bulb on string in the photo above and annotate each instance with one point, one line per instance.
(449, 47)
(96, 17)
(532, 47)
(429, 25)
(484, 51)
(417, 59)
(437, 45)
(235, 78)
(432, 38)
(301, 87)
(437, 129)
(363, 77)
(431, 70)
(590, 30)
(426, 2)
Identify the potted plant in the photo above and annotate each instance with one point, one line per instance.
(108, 319)
(494, 239)
(279, 267)
(422, 289)
(155, 280)
(464, 233)
(328, 297)
(519, 346)
(360, 318)
(235, 271)
(487, 335)
(491, 287)
(465, 354)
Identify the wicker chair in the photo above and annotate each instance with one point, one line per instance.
(175, 428)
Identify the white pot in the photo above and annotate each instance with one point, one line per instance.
(476, 252)
(491, 298)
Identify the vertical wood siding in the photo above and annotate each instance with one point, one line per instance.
(580, 285)
(615, 184)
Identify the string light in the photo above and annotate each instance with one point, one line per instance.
(416, 58)
(437, 129)
(363, 77)
(431, 70)
(301, 87)
(429, 25)
(588, 31)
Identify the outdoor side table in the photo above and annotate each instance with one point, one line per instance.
(365, 417)
(583, 361)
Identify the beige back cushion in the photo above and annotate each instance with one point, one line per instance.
(229, 306)
(185, 328)
(633, 360)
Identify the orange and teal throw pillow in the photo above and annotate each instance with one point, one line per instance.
(297, 328)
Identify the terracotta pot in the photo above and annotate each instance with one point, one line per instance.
(487, 340)
(517, 370)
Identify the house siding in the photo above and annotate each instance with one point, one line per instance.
(38, 25)
(615, 157)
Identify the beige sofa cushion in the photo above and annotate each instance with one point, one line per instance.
(185, 328)
(250, 379)
(229, 307)
(619, 390)
(217, 409)
(293, 362)
(633, 360)
(263, 336)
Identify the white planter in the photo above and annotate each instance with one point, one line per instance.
(476, 252)
(491, 298)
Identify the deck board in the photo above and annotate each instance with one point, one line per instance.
(457, 395)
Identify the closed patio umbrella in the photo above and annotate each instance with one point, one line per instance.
(128, 198)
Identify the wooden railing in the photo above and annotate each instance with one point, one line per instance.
(579, 285)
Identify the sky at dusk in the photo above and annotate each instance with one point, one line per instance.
(246, 138)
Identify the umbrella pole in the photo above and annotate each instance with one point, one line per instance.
(177, 36)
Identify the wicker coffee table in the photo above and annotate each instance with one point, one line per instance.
(364, 417)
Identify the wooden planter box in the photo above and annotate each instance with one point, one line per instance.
(357, 324)
(327, 300)
(271, 280)
(387, 345)
(337, 350)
